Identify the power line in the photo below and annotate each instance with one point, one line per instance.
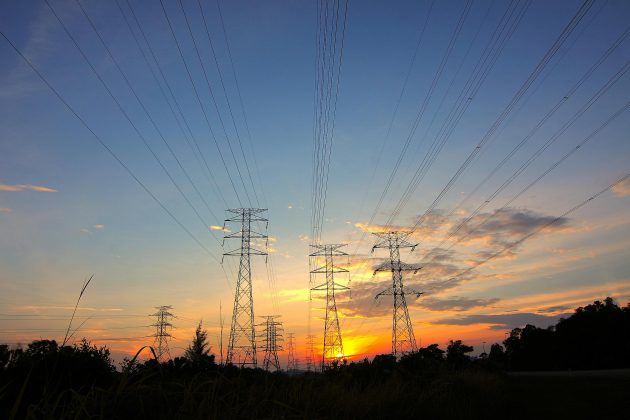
(541, 228)
(584, 8)
(214, 101)
(608, 85)
(106, 147)
(240, 97)
(198, 97)
(124, 113)
(153, 123)
(188, 133)
(227, 99)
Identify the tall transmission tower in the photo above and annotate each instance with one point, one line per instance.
(403, 339)
(242, 342)
(271, 338)
(161, 336)
(333, 345)
(292, 363)
(310, 352)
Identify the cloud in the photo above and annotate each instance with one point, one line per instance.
(84, 230)
(5, 210)
(454, 303)
(217, 227)
(503, 226)
(622, 189)
(99, 226)
(446, 268)
(304, 238)
(556, 308)
(426, 228)
(505, 321)
(25, 187)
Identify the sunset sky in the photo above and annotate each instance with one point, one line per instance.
(68, 209)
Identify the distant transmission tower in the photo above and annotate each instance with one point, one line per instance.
(242, 342)
(403, 339)
(292, 363)
(333, 346)
(162, 325)
(271, 338)
(310, 352)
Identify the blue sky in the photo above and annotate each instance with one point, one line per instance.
(98, 220)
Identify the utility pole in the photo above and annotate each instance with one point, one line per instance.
(310, 352)
(292, 363)
(333, 345)
(242, 342)
(403, 339)
(161, 336)
(271, 337)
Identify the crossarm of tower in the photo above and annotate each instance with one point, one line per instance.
(407, 291)
(239, 234)
(237, 252)
(324, 286)
(335, 269)
(403, 267)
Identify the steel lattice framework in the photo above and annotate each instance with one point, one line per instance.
(292, 363)
(333, 345)
(403, 338)
(242, 342)
(271, 338)
(161, 336)
(310, 352)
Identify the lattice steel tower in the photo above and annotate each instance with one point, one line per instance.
(292, 363)
(271, 338)
(333, 345)
(242, 342)
(403, 339)
(161, 336)
(310, 352)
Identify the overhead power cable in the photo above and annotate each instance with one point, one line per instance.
(568, 29)
(576, 116)
(107, 148)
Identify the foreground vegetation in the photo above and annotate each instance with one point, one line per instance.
(67, 382)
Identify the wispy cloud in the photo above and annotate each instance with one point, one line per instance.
(52, 307)
(446, 269)
(25, 187)
(99, 226)
(622, 189)
(455, 303)
(40, 44)
(5, 210)
(505, 321)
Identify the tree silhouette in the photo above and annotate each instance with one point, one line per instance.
(199, 349)
(456, 353)
(596, 336)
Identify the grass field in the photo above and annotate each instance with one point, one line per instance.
(355, 394)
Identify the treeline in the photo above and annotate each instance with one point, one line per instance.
(596, 336)
(45, 380)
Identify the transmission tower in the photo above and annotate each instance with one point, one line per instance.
(310, 352)
(161, 336)
(292, 363)
(403, 339)
(333, 346)
(242, 342)
(271, 338)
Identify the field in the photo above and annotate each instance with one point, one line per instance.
(350, 392)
